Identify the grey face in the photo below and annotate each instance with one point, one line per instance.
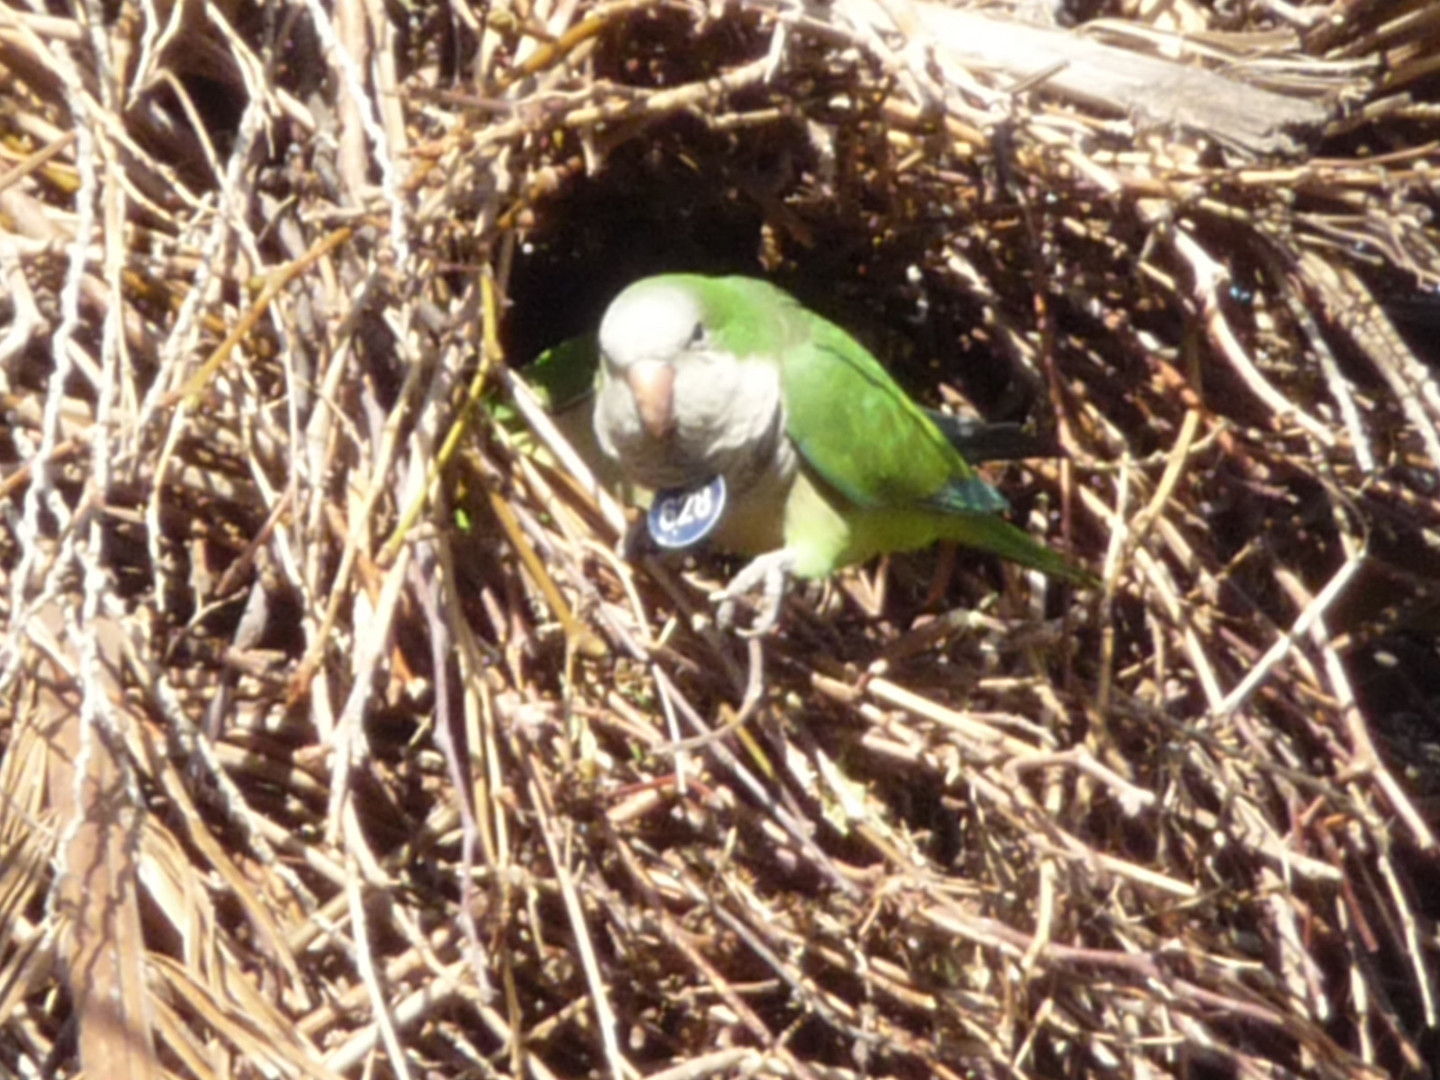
(675, 407)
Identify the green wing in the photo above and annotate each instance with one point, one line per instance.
(862, 434)
(564, 374)
(869, 441)
(562, 378)
(904, 481)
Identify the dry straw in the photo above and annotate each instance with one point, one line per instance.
(336, 739)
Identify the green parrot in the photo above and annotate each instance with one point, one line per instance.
(773, 433)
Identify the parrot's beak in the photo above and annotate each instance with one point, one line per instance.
(653, 384)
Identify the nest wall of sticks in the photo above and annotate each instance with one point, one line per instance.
(337, 736)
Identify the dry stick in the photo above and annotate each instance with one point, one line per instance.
(341, 1003)
(577, 634)
(26, 323)
(605, 1018)
(753, 697)
(348, 738)
(339, 586)
(646, 652)
(1044, 930)
(275, 282)
(482, 733)
(881, 976)
(21, 476)
(36, 160)
(1253, 830)
(1281, 648)
(739, 1062)
(1298, 971)
(423, 586)
(200, 755)
(1133, 800)
(1373, 765)
(98, 119)
(1016, 802)
(1106, 182)
(1369, 757)
(802, 986)
(419, 1003)
(544, 428)
(1413, 385)
(254, 1027)
(489, 360)
(1360, 850)
(1208, 277)
(1417, 938)
(985, 743)
(551, 53)
(792, 827)
(661, 103)
(230, 579)
(1119, 545)
(1177, 461)
(964, 723)
(1156, 574)
(1339, 386)
(1011, 944)
(369, 977)
(448, 983)
(684, 940)
(540, 542)
(174, 1033)
(1128, 536)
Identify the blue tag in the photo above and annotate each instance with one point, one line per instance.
(682, 517)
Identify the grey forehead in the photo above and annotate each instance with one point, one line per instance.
(649, 322)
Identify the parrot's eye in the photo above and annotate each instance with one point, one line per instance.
(697, 336)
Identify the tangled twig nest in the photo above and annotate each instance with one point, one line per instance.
(338, 741)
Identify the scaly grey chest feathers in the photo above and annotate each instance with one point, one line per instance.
(728, 419)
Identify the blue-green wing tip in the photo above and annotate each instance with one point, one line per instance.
(972, 496)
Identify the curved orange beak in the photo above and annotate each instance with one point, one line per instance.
(653, 384)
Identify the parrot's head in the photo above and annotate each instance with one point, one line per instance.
(650, 332)
(685, 394)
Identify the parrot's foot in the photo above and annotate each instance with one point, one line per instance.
(771, 571)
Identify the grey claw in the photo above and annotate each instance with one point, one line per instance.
(771, 572)
(725, 613)
(765, 622)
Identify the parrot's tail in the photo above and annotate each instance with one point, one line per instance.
(1000, 537)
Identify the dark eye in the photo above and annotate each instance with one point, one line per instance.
(697, 336)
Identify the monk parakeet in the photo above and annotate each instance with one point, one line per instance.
(774, 433)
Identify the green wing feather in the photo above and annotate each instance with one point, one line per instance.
(564, 375)
(863, 436)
